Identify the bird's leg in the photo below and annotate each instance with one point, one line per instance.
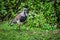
(18, 22)
(19, 27)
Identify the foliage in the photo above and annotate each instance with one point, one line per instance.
(41, 12)
(32, 33)
(43, 17)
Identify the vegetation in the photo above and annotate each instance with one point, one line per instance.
(41, 24)
(27, 33)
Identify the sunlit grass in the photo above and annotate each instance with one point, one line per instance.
(26, 33)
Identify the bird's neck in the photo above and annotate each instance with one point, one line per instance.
(25, 13)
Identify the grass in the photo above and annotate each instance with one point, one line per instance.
(27, 33)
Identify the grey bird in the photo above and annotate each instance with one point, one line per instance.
(21, 17)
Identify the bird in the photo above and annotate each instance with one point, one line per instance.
(21, 17)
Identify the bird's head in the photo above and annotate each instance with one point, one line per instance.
(25, 10)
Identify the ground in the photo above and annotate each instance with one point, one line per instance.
(26, 33)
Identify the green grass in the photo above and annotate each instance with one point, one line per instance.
(26, 33)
